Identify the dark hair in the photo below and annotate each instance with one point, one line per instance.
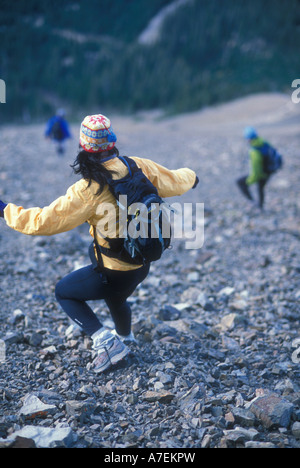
(90, 167)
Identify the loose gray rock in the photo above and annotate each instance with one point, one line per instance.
(46, 437)
(33, 407)
(272, 410)
(216, 327)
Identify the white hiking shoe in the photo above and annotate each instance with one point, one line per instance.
(110, 350)
(125, 338)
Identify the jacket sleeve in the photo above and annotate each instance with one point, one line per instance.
(169, 183)
(63, 214)
(256, 167)
(49, 126)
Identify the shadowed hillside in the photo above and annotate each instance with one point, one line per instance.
(89, 55)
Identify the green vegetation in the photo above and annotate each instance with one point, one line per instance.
(85, 56)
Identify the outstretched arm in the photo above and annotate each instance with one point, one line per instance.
(168, 182)
(63, 214)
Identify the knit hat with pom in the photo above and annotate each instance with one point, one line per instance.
(96, 134)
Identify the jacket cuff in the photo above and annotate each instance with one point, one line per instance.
(196, 182)
(2, 208)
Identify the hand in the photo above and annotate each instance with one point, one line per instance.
(196, 182)
(2, 206)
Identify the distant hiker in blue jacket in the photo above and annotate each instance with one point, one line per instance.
(57, 130)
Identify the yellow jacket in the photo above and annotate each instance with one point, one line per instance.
(82, 204)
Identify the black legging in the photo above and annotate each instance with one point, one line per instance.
(260, 186)
(87, 284)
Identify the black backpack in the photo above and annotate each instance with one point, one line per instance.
(148, 231)
(57, 132)
(272, 160)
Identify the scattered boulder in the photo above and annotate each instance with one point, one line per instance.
(272, 410)
(46, 437)
(33, 408)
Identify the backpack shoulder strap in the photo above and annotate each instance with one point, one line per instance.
(265, 148)
(130, 163)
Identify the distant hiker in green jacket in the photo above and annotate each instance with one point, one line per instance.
(257, 167)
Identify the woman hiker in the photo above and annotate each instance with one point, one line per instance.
(117, 280)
